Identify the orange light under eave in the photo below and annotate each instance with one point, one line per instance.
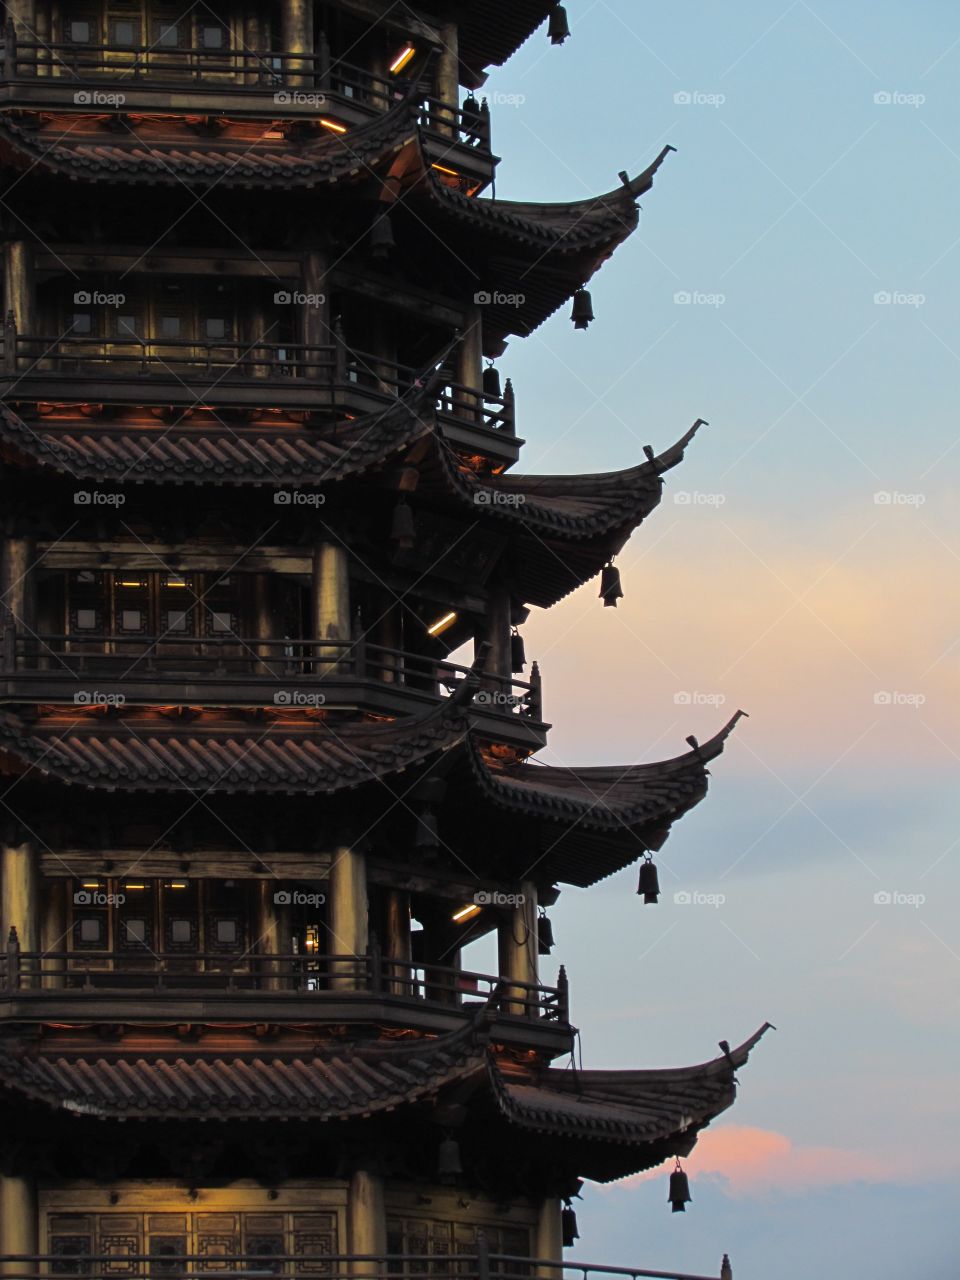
(334, 126)
(402, 59)
(451, 173)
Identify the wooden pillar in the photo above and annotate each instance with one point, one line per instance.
(366, 1220)
(271, 655)
(297, 35)
(18, 281)
(497, 635)
(268, 933)
(398, 942)
(255, 336)
(448, 78)
(518, 950)
(349, 928)
(252, 41)
(17, 588)
(54, 928)
(331, 603)
(19, 906)
(549, 1242)
(19, 1224)
(315, 315)
(469, 365)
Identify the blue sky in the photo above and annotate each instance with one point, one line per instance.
(782, 585)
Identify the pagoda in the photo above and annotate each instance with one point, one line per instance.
(259, 486)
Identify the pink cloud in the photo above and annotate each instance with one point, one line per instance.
(750, 1160)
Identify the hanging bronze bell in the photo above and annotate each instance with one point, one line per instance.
(518, 657)
(582, 314)
(610, 588)
(491, 382)
(649, 885)
(448, 1160)
(679, 1196)
(545, 942)
(559, 28)
(428, 832)
(403, 530)
(382, 242)
(568, 1225)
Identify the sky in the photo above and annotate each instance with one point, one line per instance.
(793, 282)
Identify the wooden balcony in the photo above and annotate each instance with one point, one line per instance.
(479, 1265)
(240, 83)
(191, 374)
(142, 986)
(119, 670)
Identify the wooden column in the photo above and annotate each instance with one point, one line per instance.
(255, 335)
(54, 930)
(497, 635)
(18, 279)
(262, 618)
(17, 591)
(347, 915)
(518, 950)
(268, 933)
(398, 942)
(315, 319)
(469, 365)
(252, 41)
(448, 77)
(331, 602)
(19, 905)
(297, 34)
(18, 1221)
(366, 1220)
(549, 1241)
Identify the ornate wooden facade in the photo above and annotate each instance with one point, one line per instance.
(257, 488)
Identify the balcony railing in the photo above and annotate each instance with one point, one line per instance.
(293, 80)
(291, 673)
(195, 371)
(478, 1265)
(79, 976)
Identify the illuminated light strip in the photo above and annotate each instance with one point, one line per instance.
(466, 913)
(442, 169)
(441, 624)
(333, 125)
(402, 58)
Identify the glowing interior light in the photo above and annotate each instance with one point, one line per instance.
(334, 126)
(441, 624)
(401, 60)
(466, 913)
(443, 169)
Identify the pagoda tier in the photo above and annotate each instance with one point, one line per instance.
(572, 825)
(599, 1124)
